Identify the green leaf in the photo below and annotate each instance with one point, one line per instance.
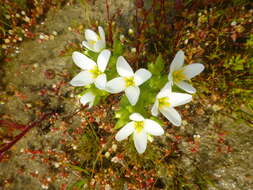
(157, 67)
(158, 81)
(91, 55)
(78, 168)
(111, 71)
(78, 185)
(97, 100)
(124, 101)
(151, 68)
(159, 63)
(117, 47)
(120, 123)
(122, 113)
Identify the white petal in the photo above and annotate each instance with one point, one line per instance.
(170, 77)
(177, 99)
(165, 91)
(90, 35)
(178, 61)
(132, 94)
(154, 110)
(141, 76)
(153, 127)
(192, 70)
(136, 117)
(98, 46)
(116, 85)
(186, 86)
(100, 81)
(123, 68)
(172, 115)
(103, 59)
(101, 33)
(88, 97)
(82, 79)
(83, 61)
(140, 141)
(87, 45)
(125, 131)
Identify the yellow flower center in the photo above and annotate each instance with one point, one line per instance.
(92, 42)
(129, 81)
(178, 75)
(138, 125)
(95, 72)
(164, 102)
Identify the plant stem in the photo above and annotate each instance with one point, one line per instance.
(27, 128)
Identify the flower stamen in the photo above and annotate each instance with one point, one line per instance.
(92, 42)
(129, 81)
(95, 72)
(178, 75)
(164, 102)
(138, 126)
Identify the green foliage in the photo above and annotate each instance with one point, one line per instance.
(157, 67)
(118, 48)
(249, 42)
(77, 185)
(77, 168)
(235, 63)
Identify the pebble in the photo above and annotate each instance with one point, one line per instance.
(56, 165)
(122, 37)
(107, 154)
(27, 19)
(42, 36)
(7, 41)
(114, 147)
(44, 186)
(184, 122)
(4, 46)
(54, 33)
(107, 187)
(233, 23)
(133, 50)
(216, 107)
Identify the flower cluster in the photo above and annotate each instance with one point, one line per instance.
(129, 81)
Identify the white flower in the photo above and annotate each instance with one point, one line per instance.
(128, 80)
(179, 75)
(141, 129)
(92, 72)
(89, 98)
(165, 102)
(93, 41)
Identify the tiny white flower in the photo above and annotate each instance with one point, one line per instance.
(94, 42)
(89, 98)
(179, 74)
(92, 72)
(130, 31)
(128, 80)
(141, 128)
(165, 102)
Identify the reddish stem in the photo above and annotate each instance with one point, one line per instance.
(26, 128)
(109, 23)
(12, 124)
